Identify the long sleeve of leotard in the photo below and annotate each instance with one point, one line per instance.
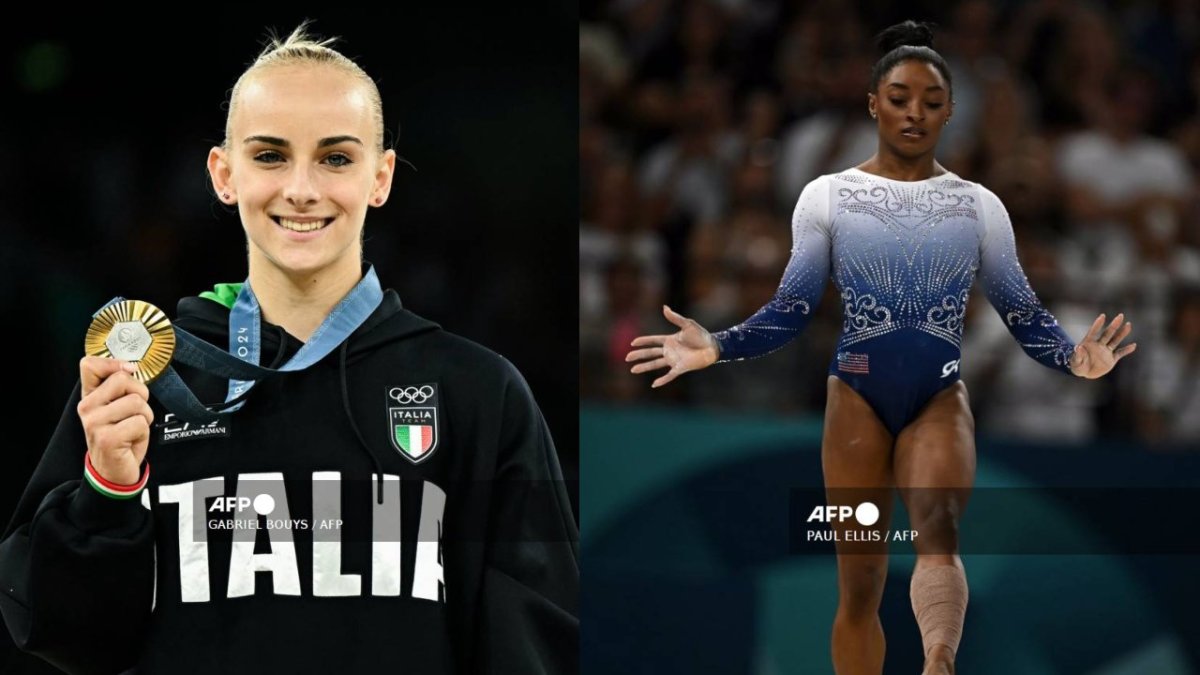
(789, 311)
(1004, 283)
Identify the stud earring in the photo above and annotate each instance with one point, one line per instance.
(873, 116)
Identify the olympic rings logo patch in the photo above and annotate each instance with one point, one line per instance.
(413, 425)
(406, 395)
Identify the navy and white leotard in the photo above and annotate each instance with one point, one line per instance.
(903, 256)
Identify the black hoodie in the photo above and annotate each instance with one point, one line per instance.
(484, 579)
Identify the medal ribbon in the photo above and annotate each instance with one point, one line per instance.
(240, 364)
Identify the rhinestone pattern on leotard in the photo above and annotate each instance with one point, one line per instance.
(902, 256)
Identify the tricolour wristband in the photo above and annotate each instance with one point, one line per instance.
(109, 488)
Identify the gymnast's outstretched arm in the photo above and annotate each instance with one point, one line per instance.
(771, 327)
(1035, 329)
(803, 283)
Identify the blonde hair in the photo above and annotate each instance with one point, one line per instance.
(300, 48)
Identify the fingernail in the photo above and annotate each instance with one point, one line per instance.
(129, 366)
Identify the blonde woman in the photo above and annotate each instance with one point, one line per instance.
(388, 501)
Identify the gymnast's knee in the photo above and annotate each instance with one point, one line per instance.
(937, 525)
(861, 587)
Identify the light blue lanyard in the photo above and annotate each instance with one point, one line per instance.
(346, 317)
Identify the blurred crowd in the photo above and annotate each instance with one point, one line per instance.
(702, 120)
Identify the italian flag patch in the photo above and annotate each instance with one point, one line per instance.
(414, 440)
(413, 429)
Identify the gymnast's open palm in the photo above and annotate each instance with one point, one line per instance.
(692, 348)
(1099, 351)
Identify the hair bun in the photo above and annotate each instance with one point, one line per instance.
(917, 34)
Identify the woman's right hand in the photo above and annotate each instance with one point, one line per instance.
(692, 348)
(115, 411)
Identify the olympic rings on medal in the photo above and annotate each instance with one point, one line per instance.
(405, 395)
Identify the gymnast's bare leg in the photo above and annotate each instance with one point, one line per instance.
(856, 452)
(934, 470)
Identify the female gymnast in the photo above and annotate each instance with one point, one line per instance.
(390, 501)
(905, 239)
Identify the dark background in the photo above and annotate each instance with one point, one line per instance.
(106, 123)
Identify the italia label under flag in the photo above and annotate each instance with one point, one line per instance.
(413, 426)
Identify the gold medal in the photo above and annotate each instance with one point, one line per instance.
(135, 331)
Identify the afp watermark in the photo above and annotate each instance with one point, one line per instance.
(865, 513)
(241, 513)
(1072, 520)
(856, 524)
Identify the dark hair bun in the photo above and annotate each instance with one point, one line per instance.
(908, 33)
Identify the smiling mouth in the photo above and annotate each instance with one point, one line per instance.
(296, 226)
